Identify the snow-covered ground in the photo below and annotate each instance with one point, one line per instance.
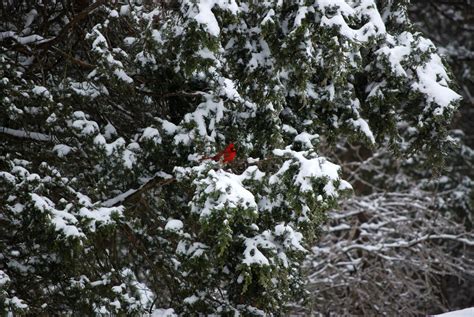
(468, 312)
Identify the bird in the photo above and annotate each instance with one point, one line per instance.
(226, 155)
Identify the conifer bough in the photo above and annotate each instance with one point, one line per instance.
(169, 81)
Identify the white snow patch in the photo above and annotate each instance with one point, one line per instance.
(151, 134)
(204, 119)
(62, 150)
(84, 126)
(306, 139)
(88, 89)
(312, 168)
(468, 312)
(362, 125)
(191, 299)
(41, 91)
(232, 194)
(26, 134)
(289, 129)
(109, 131)
(196, 249)
(164, 312)
(16, 302)
(168, 127)
(174, 225)
(293, 239)
(30, 17)
(61, 219)
(122, 75)
(202, 13)
(433, 82)
(252, 255)
(129, 40)
(101, 215)
(4, 278)
(113, 14)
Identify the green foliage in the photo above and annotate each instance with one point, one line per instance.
(110, 203)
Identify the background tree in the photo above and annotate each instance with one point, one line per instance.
(397, 246)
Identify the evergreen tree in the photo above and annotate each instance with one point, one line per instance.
(450, 26)
(108, 109)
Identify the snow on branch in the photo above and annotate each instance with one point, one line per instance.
(384, 246)
(28, 135)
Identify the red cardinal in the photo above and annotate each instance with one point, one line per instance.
(227, 155)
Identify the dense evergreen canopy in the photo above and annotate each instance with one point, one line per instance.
(107, 110)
